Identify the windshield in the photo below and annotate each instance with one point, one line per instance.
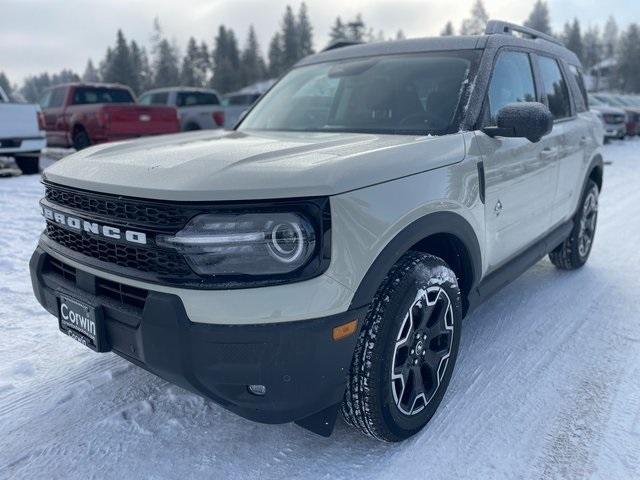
(415, 94)
(88, 95)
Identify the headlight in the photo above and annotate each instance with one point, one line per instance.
(256, 244)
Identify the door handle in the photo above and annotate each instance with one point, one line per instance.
(583, 141)
(549, 153)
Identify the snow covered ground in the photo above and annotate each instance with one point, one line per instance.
(547, 384)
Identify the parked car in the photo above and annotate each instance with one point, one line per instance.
(613, 119)
(235, 104)
(198, 108)
(632, 113)
(81, 114)
(20, 134)
(238, 103)
(321, 257)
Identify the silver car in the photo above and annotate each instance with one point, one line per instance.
(321, 257)
(198, 108)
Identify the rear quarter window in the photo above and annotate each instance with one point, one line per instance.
(581, 98)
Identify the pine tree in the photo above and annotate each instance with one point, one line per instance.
(166, 72)
(90, 73)
(139, 68)
(276, 56)
(629, 60)
(226, 62)
(573, 38)
(118, 67)
(356, 29)
(338, 31)
(447, 31)
(476, 24)
(252, 66)
(188, 73)
(305, 33)
(204, 63)
(592, 47)
(34, 85)
(539, 18)
(290, 47)
(5, 84)
(610, 37)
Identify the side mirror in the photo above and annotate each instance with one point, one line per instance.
(530, 120)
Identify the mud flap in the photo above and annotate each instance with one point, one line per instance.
(321, 423)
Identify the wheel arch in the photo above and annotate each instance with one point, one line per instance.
(447, 235)
(596, 169)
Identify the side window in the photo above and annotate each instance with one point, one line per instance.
(160, 98)
(582, 104)
(555, 87)
(512, 81)
(45, 98)
(145, 99)
(57, 97)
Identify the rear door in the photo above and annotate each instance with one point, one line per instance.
(568, 139)
(520, 176)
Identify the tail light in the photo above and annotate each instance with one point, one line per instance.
(218, 117)
(41, 123)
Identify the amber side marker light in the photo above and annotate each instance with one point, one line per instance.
(344, 330)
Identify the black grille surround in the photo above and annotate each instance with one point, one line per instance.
(151, 263)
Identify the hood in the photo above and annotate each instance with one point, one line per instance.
(214, 165)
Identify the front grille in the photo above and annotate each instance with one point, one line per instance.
(160, 262)
(61, 269)
(125, 294)
(141, 212)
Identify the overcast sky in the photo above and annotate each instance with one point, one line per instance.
(48, 35)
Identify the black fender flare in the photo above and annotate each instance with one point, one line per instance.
(596, 163)
(431, 224)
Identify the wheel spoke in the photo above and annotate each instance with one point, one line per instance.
(423, 341)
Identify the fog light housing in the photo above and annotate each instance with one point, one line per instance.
(258, 390)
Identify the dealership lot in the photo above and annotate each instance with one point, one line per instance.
(565, 373)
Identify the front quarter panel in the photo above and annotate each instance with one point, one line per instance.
(365, 221)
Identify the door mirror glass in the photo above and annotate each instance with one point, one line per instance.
(530, 120)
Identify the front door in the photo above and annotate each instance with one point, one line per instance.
(520, 176)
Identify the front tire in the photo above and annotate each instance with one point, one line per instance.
(28, 165)
(406, 350)
(574, 251)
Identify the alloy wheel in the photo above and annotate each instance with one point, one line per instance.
(422, 350)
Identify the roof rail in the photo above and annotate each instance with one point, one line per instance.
(341, 44)
(498, 26)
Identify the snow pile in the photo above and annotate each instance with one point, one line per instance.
(546, 385)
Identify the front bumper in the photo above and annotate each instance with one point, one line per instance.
(614, 130)
(304, 370)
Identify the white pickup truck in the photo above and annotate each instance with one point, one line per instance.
(20, 134)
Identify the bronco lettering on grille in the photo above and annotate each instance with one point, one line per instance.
(93, 228)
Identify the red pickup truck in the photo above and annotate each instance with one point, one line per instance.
(78, 115)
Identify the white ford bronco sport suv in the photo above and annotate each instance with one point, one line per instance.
(321, 257)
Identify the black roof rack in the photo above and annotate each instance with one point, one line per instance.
(498, 26)
(340, 44)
